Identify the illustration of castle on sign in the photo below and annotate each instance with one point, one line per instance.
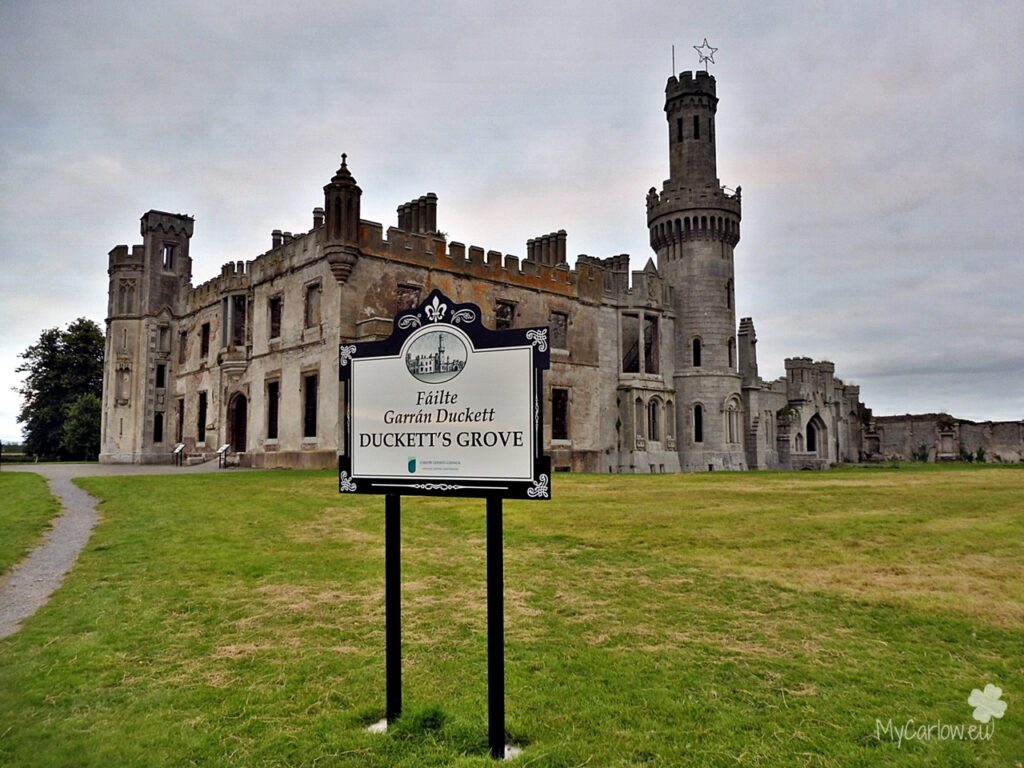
(649, 370)
(429, 361)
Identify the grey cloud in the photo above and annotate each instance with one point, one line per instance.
(878, 146)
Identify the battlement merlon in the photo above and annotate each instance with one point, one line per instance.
(429, 250)
(121, 258)
(797, 363)
(171, 223)
(235, 276)
(691, 84)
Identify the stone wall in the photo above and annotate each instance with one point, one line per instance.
(942, 437)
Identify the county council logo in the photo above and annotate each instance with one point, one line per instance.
(412, 464)
(988, 707)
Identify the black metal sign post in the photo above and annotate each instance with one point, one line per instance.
(495, 631)
(393, 604)
(446, 407)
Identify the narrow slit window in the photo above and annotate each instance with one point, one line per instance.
(309, 405)
(273, 393)
(275, 306)
(650, 344)
(559, 330)
(201, 419)
(696, 127)
(653, 421)
(238, 310)
(559, 414)
(312, 312)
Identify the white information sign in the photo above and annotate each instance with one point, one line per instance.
(445, 405)
(410, 418)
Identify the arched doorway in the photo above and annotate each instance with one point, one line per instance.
(238, 418)
(817, 437)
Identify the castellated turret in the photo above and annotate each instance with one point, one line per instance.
(149, 284)
(694, 225)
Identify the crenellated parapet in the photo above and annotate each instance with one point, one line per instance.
(616, 271)
(123, 260)
(809, 380)
(176, 224)
(431, 251)
(234, 276)
(681, 214)
(690, 84)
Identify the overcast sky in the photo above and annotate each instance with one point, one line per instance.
(880, 148)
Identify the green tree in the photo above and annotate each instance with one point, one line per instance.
(60, 368)
(81, 438)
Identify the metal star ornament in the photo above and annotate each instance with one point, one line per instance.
(706, 53)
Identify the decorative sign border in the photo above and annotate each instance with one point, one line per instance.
(437, 309)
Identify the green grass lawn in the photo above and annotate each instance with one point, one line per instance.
(26, 508)
(756, 619)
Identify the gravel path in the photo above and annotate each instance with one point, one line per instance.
(28, 585)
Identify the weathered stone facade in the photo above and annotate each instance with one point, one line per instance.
(648, 372)
(937, 437)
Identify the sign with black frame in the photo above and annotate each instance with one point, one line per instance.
(446, 407)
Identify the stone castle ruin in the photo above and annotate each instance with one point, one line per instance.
(649, 370)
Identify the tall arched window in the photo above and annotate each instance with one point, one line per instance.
(653, 420)
(732, 421)
(812, 439)
(698, 423)
(696, 353)
(638, 417)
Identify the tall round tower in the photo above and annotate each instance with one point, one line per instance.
(694, 225)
